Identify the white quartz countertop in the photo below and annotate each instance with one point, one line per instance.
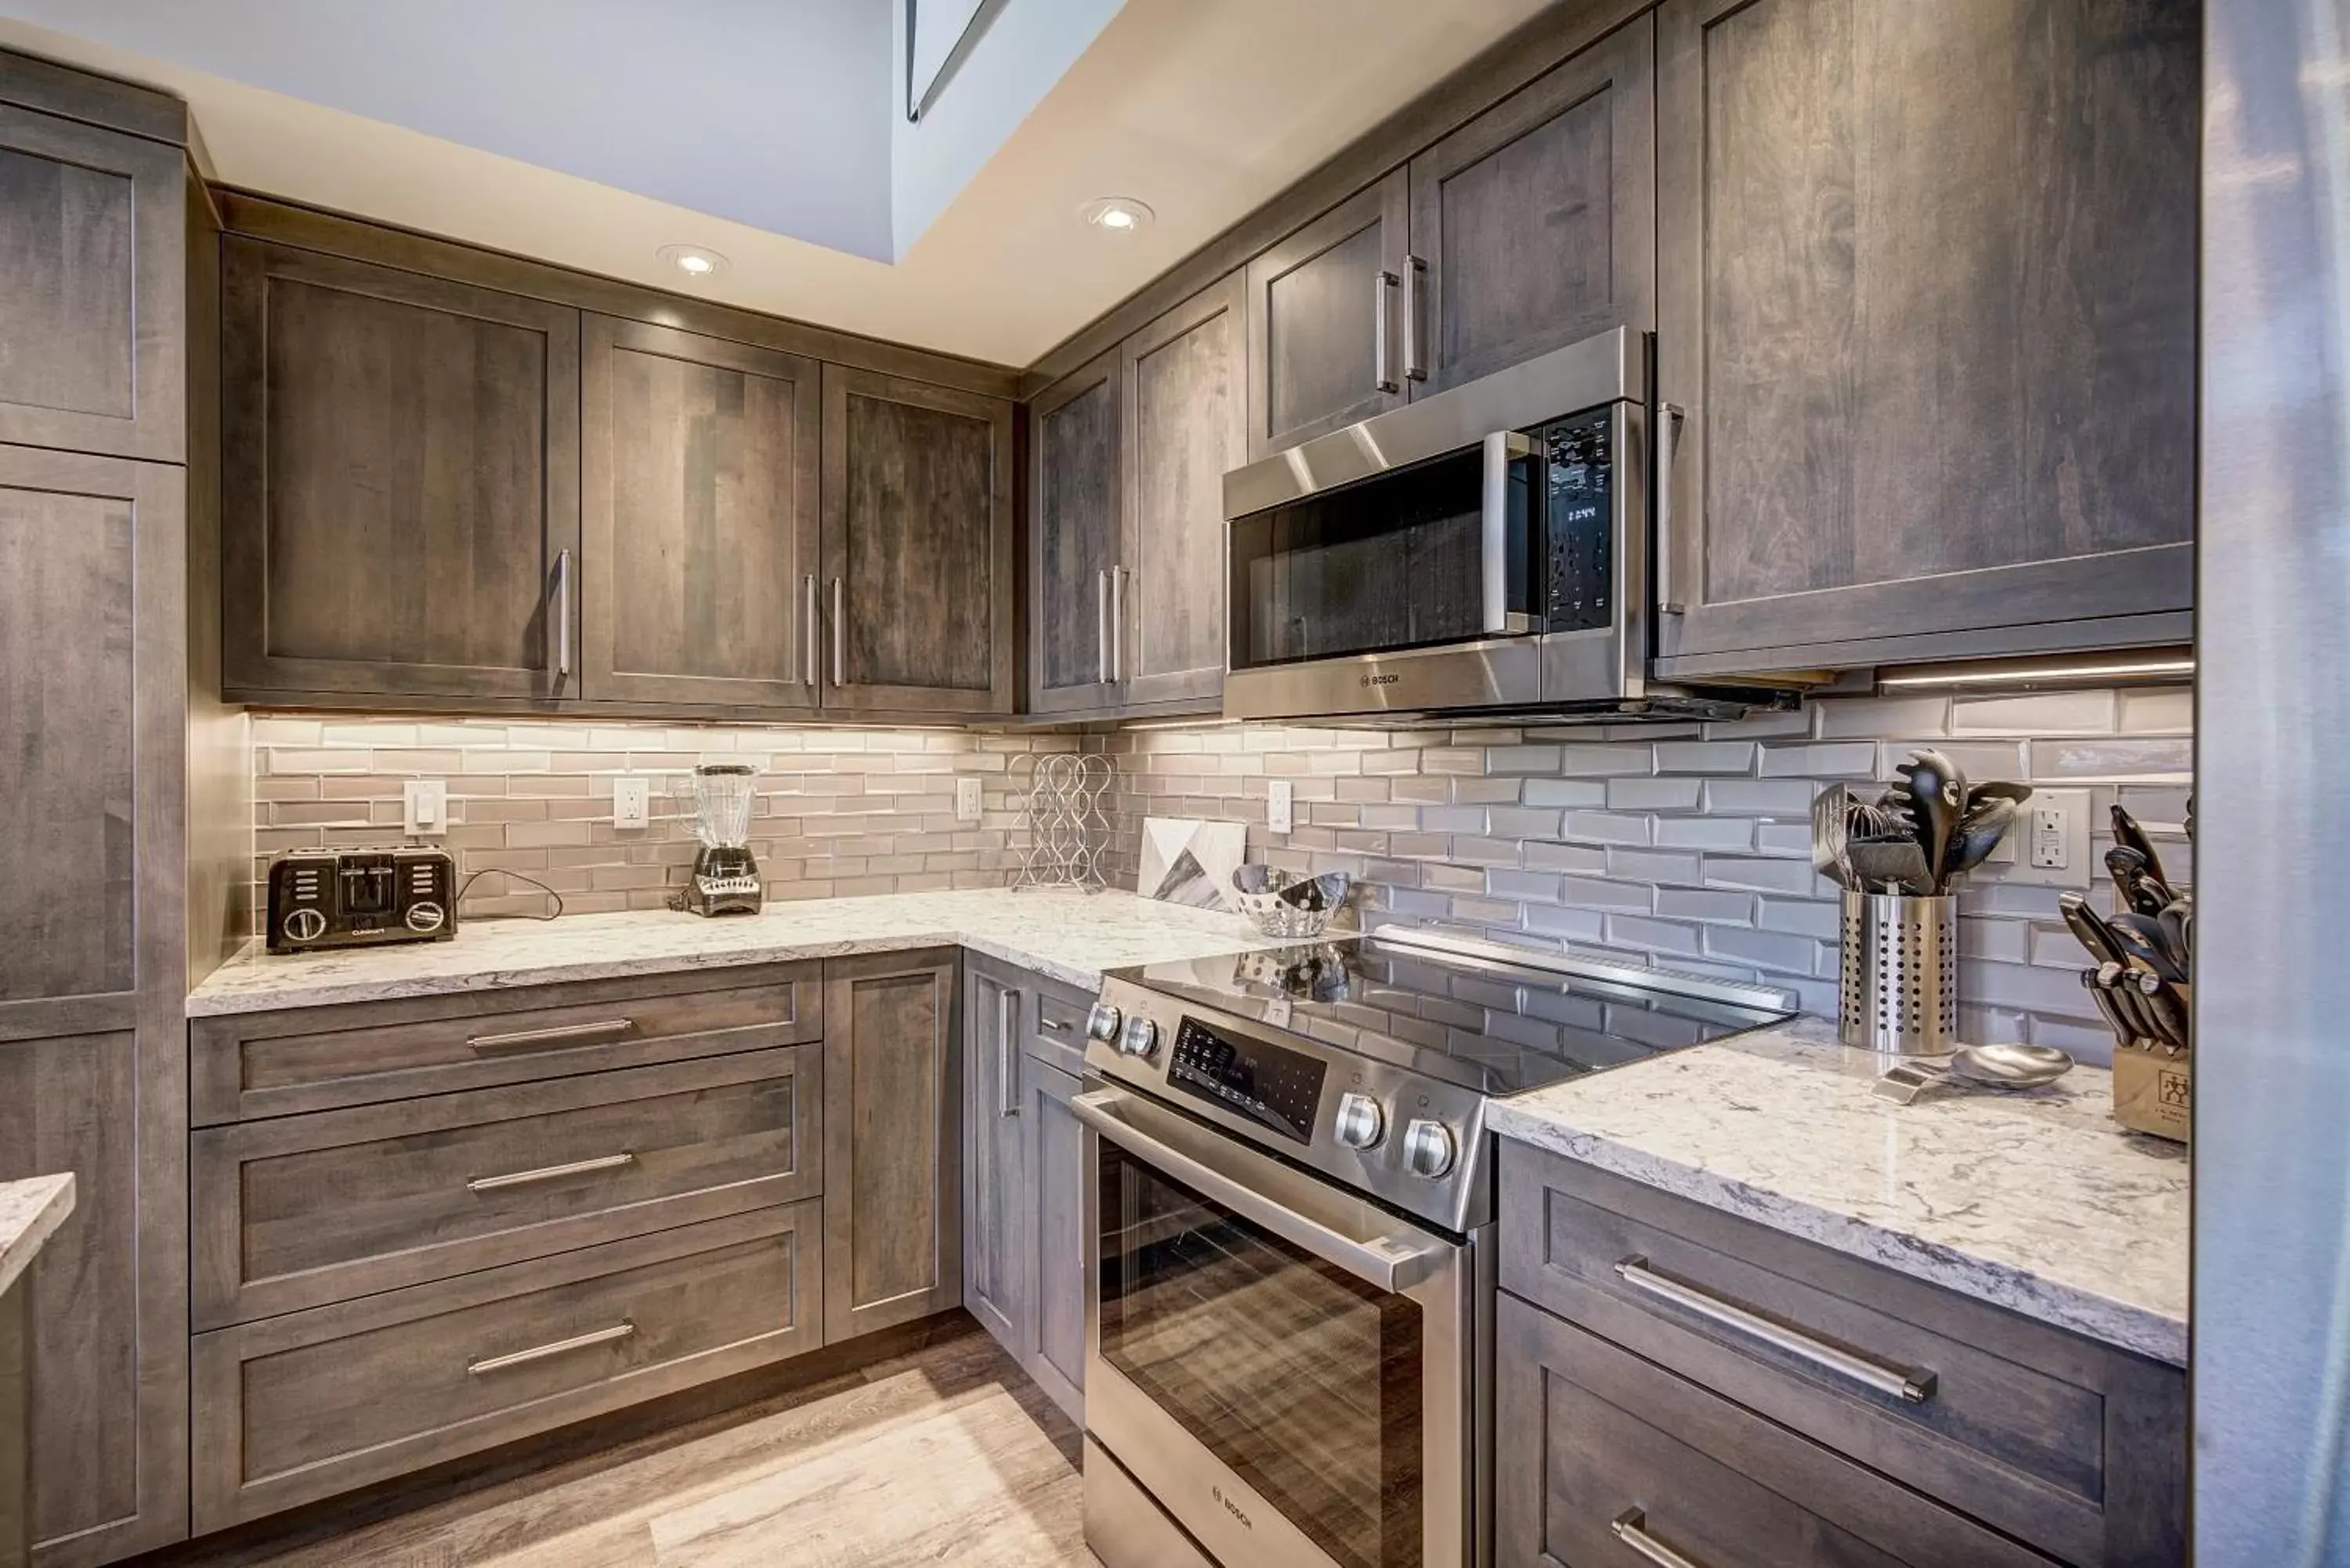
(30, 1212)
(1069, 936)
(2038, 1202)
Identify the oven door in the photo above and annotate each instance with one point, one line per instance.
(1288, 1370)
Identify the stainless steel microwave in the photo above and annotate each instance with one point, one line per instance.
(1482, 552)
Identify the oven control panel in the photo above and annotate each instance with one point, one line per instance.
(1277, 1088)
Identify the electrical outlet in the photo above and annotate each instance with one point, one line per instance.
(967, 801)
(2050, 840)
(631, 801)
(424, 808)
(1280, 806)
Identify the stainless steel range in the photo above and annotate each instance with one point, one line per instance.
(1288, 1214)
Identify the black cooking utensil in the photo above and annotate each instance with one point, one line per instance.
(2130, 836)
(1978, 834)
(1997, 789)
(1937, 799)
(1890, 865)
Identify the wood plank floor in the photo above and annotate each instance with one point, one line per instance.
(947, 1454)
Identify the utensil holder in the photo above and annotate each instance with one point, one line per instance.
(1901, 990)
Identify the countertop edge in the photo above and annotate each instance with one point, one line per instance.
(2118, 1323)
(30, 1212)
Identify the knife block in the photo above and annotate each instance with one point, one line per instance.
(2154, 1084)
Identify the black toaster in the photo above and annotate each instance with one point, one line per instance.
(361, 898)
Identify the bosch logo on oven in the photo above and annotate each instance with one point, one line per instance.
(1381, 680)
(1231, 1508)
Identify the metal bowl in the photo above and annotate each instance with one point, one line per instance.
(1284, 904)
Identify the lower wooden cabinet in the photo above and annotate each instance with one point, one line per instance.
(1024, 1243)
(893, 1144)
(301, 1407)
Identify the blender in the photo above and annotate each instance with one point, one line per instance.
(725, 877)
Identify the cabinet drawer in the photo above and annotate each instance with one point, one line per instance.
(1611, 1460)
(321, 1058)
(1058, 1036)
(2074, 1446)
(305, 1406)
(305, 1210)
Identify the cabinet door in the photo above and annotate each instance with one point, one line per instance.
(93, 294)
(1325, 316)
(1055, 1187)
(1533, 226)
(892, 1142)
(998, 1254)
(698, 517)
(1077, 584)
(917, 546)
(93, 1055)
(1927, 293)
(1186, 409)
(399, 482)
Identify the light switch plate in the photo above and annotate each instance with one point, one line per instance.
(1280, 806)
(2050, 840)
(967, 801)
(424, 808)
(631, 801)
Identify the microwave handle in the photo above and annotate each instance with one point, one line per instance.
(1390, 1262)
(1668, 433)
(1502, 448)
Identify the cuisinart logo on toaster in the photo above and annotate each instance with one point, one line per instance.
(1381, 680)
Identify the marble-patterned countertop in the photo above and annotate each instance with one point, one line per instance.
(30, 1212)
(2038, 1201)
(1069, 936)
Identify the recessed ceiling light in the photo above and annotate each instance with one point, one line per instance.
(1119, 214)
(699, 263)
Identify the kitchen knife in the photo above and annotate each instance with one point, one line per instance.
(2130, 836)
(2088, 929)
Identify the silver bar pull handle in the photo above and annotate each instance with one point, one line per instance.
(488, 1364)
(563, 613)
(839, 631)
(561, 1035)
(1007, 1056)
(1669, 444)
(1502, 448)
(1914, 1387)
(1415, 282)
(1631, 1527)
(1382, 373)
(1118, 623)
(550, 1173)
(1101, 625)
(813, 617)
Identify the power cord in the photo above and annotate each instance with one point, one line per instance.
(467, 886)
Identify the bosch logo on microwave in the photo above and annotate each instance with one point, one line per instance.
(1381, 680)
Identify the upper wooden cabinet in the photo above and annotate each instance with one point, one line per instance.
(699, 519)
(1185, 410)
(93, 291)
(1076, 582)
(399, 482)
(918, 551)
(1324, 312)
(1928, 299)
(1533, 226)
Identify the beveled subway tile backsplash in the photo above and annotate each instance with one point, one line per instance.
(1686, 846)
(839, 811)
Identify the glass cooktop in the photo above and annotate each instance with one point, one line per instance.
(1472, 1013)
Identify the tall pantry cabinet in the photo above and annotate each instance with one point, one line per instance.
(109, 746)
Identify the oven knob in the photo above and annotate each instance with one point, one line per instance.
(304, 926)
(1102, 1023)
(1140, 1038)
(1428, 1149)
(424, 916)
(1361, 1124)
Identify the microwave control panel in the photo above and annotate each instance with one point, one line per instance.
(1579, 522)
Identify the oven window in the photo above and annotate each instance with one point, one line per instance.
(1302, 1378)
(1393, 563)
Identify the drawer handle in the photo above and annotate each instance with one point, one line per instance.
(1916, 1388)
(549, 1173)
(1631, 1527)
(1048, 1024)
(489, 1363)
(560, 1034)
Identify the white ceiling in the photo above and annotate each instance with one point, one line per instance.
(587, 133)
